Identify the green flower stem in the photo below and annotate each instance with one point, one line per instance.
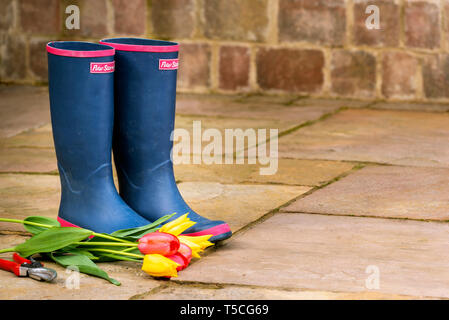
(110, 255)
(26, 222)
(116, 244)
(105, 236)
(138, 256)
(7, 250)
(100, 235)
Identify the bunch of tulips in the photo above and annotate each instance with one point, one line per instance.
(167, 252)
(161, 247)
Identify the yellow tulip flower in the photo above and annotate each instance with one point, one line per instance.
(157, 265)
(197, 244)
(177, 226)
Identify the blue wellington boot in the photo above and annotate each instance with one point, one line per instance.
(81, 87)
(145, 95)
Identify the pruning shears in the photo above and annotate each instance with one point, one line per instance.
(22, 267)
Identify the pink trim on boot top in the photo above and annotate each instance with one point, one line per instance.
(141, 48)
(80, 54)
(215, 231)
(66, 223)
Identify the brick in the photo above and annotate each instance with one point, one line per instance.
(6, 8)
(234, 67)
(90, 23)
(422, 22)
(173, 18)
(317, 21)
(353, 73)
(290, 69)
(435, 78)
(245, 20)
(38, 59)
(14, 57)
(388, 34)
(194, 67)
(399, 75)
(129, 16)
(42, 17)
(446, 23)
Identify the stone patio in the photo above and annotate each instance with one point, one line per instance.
(361, 186)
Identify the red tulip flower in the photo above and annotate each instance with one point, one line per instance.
(159, 243)
(179, 259)
(185, 251)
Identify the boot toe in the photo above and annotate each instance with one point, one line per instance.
(219, 230)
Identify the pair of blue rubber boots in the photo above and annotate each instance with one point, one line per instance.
(117, 95)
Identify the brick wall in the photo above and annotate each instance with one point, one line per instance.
(307, 47)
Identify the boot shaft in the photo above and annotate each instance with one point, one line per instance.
(81, 88)
(81, 81)
(145, 97)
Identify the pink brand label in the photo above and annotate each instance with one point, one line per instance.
(102, 67)
(168, 64)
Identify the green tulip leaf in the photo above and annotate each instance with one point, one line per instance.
(78, 251)
(52, 239)
(42, 220)
(84, 265)
(109, 257)
(138, 232)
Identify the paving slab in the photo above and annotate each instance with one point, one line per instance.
(201, 124)
(28, 195)
(394, 137)
(25, 195)
(238, 205)
(42, 137)
(253, 109)
(333, 253)
(27, 160)
(133, 281)
(383, 191)
(289, 172)
(22, 108)
(243, 117)
(34, 138)
(185, 291)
